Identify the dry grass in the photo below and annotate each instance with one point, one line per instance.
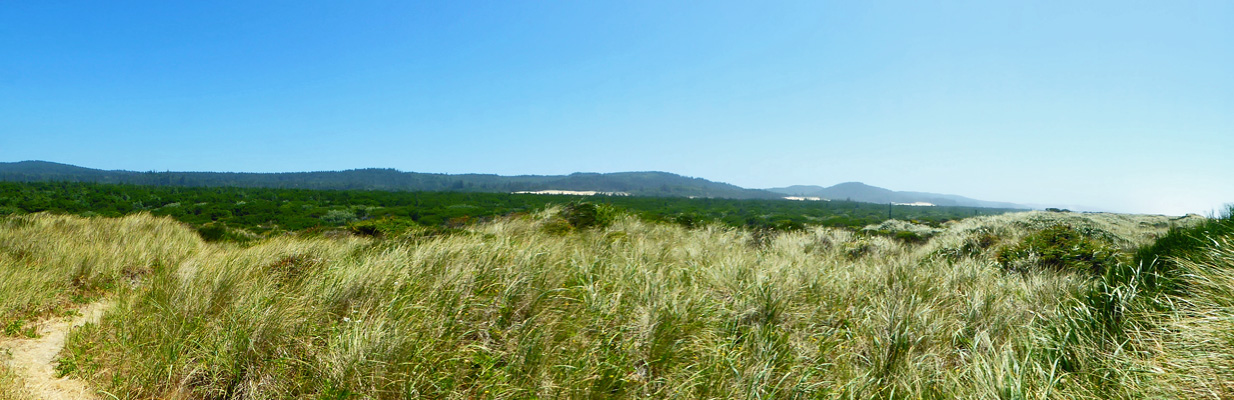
(11, 387)
(635, 310)
(48, 262)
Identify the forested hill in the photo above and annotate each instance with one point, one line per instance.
(634, 183)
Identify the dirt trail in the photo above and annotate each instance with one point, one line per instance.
(32, 359)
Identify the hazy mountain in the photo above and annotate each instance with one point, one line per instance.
(635, 183)
(858, 191)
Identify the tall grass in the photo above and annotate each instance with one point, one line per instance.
(1198, 339)
(49, 262)
(1165, 319)
(633, 310)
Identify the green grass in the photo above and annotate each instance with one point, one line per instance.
(50, 263)
(518, 308)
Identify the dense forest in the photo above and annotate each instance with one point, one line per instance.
(637, 183)
(264, 210)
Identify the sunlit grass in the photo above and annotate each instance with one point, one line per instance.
(633, 310)
(48, 263)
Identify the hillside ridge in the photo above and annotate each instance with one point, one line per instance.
(857, 191)
(637, 183)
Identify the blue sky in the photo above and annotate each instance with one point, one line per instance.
(1124, 106)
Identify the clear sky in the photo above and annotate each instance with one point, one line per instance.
(1120, 105)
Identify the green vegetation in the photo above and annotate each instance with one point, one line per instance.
(908, 231)
(1059, 247)
(474, 295)
(248, 213)
(627, 308)
(387, 226)
(50, 263)
(1181, 243)
(587, 215)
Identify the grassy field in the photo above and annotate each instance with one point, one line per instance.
(1008, 306)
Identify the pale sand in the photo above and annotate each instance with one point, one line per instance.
(33, 359)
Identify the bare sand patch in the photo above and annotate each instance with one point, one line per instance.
(33, 360)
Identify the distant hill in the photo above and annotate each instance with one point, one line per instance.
(651, 183)
(858, 191)
(634, 183)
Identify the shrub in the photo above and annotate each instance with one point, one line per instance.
(905, 231)
(1058, 247)
(382, 227)
(975, 242)
(909, 237)
(787, 225)
(219, 232)
(689, 221)
(556, 226)
(339, 217)
(583, 215)
(857, 248)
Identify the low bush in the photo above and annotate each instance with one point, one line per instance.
(584, 215)
(1058, 247)
(381, 227)
(219, 232)
(905, 231)
(579, 216)
(910, 237)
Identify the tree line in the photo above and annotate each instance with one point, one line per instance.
(264, 210)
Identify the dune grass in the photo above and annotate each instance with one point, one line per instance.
(517, 309)
(11, 388)
(1178, 322)
(48, 262)
(51, 264)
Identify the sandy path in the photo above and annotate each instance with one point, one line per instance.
(32, 359)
